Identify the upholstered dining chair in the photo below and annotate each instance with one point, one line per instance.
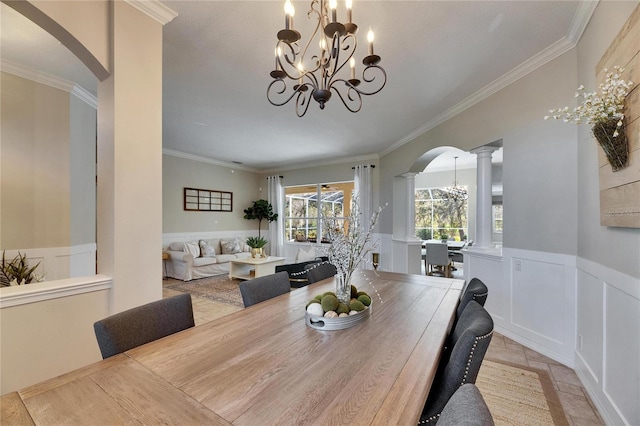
(264, 288)
(466, 408)
(437, 255)
(143, 324)
(476, 290)
(320, 271)
(470, 340)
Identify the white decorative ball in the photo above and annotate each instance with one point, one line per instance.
(331, 314)
(315, 309)
(342, 315)
(353, 312)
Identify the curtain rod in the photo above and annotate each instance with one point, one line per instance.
(373, 166)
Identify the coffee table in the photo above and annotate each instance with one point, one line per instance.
(240, 268)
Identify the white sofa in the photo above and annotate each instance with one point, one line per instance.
(186, 264)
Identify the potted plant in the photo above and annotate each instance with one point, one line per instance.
(261, 210)
(256, 244)
(17, 271)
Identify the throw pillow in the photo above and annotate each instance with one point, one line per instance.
(306, 255)
(230, 246)
(207, 249)
(192, 248)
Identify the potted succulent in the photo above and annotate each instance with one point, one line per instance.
(18, 271)
(256, 244)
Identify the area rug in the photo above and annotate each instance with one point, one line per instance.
(519, 395)
(219, 288)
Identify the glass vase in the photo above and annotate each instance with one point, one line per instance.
(343, 289)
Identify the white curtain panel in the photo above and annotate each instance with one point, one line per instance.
(362, 188)
(275, 194)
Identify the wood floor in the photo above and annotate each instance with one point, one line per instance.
(577, 406)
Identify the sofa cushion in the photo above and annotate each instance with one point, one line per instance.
(222, 258)
(192, 248)
(207, 249)
(202, 261)
(176, 246)
(231, 246)
(306, 255)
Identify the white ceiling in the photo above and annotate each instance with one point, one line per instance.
(440, 57)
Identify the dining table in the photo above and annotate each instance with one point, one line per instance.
(263, 365)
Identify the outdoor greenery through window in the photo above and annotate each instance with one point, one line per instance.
(305, 205)
(438, 217)
(497, 218)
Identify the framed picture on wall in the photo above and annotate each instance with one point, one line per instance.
(207, 200)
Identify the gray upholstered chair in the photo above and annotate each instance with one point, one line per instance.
(476, 290)
(264, 288)
(143, 324)
(437, 255)
(470, 340)
(298, 271)
(320, 271)
(466, 408)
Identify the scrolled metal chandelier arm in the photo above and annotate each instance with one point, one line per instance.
(318, 75)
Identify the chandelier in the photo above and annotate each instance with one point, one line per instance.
(455, 192)
(307, 73)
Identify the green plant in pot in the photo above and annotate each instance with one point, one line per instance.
(256, 244)
(17, 271)
(260, 210)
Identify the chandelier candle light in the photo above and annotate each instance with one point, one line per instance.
(455, 192)
(303, 74)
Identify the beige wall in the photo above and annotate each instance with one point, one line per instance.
(178, 173)
(35, 165)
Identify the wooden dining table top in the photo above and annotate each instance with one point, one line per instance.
(264, 366)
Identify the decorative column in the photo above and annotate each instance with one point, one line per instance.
(483, 196)
(410, 219)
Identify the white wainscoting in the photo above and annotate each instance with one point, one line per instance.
(59, 263)
(531, 297)
(608, 341)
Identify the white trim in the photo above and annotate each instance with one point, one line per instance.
(154, 9)
(581, 19)
(49, 80)
(208, 160)
(37, 292)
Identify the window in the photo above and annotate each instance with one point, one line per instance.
(437, 217)
(304, 206)
(497, 218)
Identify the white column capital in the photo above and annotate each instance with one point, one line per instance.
(484, 150)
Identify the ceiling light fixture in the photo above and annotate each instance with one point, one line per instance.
(455, 192)
(302, 74)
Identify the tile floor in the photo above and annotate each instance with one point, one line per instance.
(577, 406)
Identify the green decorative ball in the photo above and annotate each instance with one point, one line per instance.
(318, 298)
(312, 301)
(342, 308)
(354, 292)
(356, 306)
(329, 293)
(360, 293)
(329, 303)
(364, 299)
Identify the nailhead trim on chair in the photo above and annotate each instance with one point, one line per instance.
(466, 371)
(479, 295)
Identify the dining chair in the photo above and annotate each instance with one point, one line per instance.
(320, 271)
(476, 290)
(470, 340)
(264, 288)
(143, 324)
(437, 255)
(466, 408)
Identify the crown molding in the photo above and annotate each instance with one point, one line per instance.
(579, 22)
(154, 9)
(208, 160)
(334, 162)
(49, 80)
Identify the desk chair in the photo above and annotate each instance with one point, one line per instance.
(320, 271)
(264, 288)
(470, 340)
(143, 324)
(466, 408)
(437, 259)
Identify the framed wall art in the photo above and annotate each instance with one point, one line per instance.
(207, 200)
